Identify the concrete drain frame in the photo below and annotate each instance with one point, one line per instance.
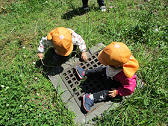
(79, 87)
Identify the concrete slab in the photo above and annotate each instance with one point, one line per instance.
(96, 48)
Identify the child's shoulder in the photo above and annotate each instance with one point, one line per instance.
(123, 76)
(71, 30)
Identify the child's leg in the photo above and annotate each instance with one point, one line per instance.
(101, 3)
(96, 71)
(92, 72)
(85, 2)
(89, 99)
(101, 96)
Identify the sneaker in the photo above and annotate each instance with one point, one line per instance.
(103, 8)
(85, 7)
(87, 102)
(80, 72)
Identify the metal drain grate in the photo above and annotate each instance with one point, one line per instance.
(79, 87)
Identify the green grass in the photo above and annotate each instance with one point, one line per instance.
(27, 97)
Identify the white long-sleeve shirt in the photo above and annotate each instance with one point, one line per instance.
(76, 40)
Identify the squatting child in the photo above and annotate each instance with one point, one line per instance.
(62, 40)
(119, 72)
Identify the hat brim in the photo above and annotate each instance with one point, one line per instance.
(67, 52)
(130, 67)
(101, 58)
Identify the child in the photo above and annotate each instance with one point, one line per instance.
(62, 40)
(119, 73)
(100, 2)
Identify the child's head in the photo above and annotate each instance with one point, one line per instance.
(118, 54)
(62, 40)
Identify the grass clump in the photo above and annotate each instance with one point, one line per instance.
(27, 97)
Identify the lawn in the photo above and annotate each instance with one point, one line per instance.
(27, 97)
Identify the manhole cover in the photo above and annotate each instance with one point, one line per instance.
(79, 87)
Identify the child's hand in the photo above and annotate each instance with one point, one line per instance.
(113, 93)
(40, 55)
(84, 56)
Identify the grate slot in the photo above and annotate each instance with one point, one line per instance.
(87, 65)
(66, 77)
(71, 75)
(69, 82)
(83, 67)
(91, 85)
(68, 71)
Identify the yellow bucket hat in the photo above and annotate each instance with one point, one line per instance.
(117, 53)
(62, 40)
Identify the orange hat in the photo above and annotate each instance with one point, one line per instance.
(117, 53)
(62, 40)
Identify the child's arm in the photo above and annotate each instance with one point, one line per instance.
(77, 40)
(44, 44)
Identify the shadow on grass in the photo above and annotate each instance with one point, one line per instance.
(77, 12)
(70, 14)
(51, 63)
